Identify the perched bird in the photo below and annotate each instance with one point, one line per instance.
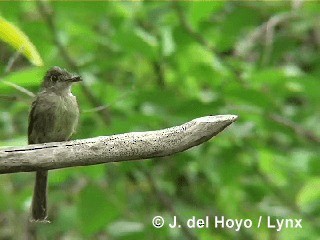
(53, 118)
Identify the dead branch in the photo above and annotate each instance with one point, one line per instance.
(115, 148)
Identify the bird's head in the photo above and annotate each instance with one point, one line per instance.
(58, 79)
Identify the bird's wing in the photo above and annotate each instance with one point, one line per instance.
(41, 120)
(32, 119)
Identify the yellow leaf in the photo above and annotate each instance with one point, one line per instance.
(19, 41)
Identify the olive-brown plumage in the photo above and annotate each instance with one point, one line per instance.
(53, 118)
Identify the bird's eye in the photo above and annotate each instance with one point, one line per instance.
(54, 78)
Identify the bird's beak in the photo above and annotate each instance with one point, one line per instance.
(75, 79)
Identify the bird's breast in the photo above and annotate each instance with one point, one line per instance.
(68, 112)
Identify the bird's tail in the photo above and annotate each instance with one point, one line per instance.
(39, 200)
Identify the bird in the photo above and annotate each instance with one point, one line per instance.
(53, 117)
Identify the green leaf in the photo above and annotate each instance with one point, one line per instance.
(310, 194)
(125, 228)
(202, 10)
(136, 40)
(28, 78)
(95, 210)
(19, 41)
(272, 166)
(168, 45)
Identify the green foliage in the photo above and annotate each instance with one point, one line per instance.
(158, 64)
(95, 210)
(19, 41)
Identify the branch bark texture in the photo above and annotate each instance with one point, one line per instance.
(115, 148)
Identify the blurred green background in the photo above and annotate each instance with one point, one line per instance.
(151, 65)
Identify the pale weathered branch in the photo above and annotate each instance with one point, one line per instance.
(115, 148)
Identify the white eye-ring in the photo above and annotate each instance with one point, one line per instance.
(54, 78)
